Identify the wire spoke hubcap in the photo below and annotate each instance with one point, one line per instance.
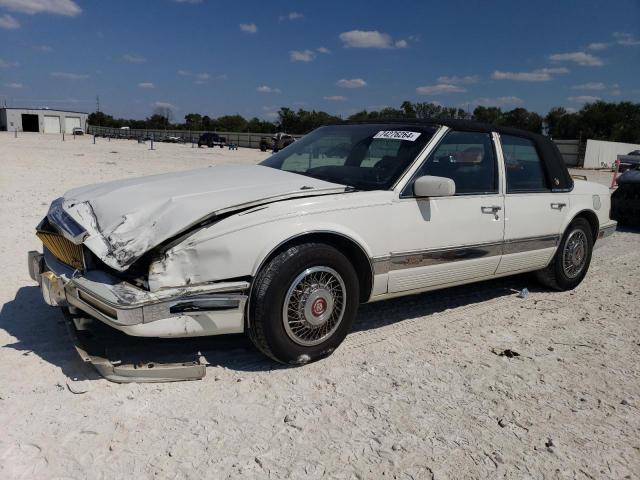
(314, 306)
(574, 256)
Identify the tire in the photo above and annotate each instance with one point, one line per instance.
(567, 269)
(296, 326)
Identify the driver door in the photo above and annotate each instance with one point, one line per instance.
(447, 240)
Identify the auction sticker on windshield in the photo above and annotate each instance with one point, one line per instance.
(397, 135)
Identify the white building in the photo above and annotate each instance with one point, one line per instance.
(42, 120)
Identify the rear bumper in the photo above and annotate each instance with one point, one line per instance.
(210, 309)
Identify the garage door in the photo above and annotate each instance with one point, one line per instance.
(51, 124)
(70, 123)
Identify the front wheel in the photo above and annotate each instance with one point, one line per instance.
(572, 259)
(303, 303)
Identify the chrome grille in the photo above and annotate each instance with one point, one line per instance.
(61, 248)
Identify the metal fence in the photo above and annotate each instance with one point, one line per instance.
(241, 139)
(572, 151)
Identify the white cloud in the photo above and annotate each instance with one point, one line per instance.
(440, 89)
(202, 78)
(129, 58)
(336, 98)
(267, 89)
(14, 85)
(248, 27)
(184, 73)
(352, 83)
(498, 101)
(292, 16)
(583, 99)
(581, 58)
(302, 55)
(539, 75)
(68, 8)
(590, 86)
(69, 76)
(146, 85)
(193, 2)
(597, 46)
(164, 105)
(626, 39)
(455, 80)
(6, 64)
(323, 50)
(43, 48)
(370, 39)
(8, 22)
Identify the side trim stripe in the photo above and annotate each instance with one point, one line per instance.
(423, 258)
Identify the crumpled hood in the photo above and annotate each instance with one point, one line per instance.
(126, 218)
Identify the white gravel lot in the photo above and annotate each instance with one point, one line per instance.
(414, 392)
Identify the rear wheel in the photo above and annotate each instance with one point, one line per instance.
(303, 303)
(572, 259)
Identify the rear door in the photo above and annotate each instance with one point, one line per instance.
(534, 213)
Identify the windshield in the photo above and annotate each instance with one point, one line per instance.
(366, 157)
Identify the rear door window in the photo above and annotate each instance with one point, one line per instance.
(523, 165)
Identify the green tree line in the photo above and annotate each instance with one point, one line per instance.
(619, 122)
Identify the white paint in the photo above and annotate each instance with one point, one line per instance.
(601, 153)
(397, 135)
(125, 219)
(137, 214)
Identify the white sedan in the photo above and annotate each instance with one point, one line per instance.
(288, 249)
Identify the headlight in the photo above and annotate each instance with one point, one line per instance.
(63, 222)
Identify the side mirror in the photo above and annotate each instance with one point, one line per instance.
(429, 186)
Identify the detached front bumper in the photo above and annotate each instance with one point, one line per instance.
(210, 309)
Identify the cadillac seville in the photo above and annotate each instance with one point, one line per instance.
(287, 249)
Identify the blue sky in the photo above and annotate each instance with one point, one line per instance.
(251, 57)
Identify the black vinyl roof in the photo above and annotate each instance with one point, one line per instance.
(455, 124)
(558, 177)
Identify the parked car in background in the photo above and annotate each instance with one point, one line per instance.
(276, 142)
(265, 144)
(77, 131)
(630, 161)
(211, 140)
(286, 250)
(282, 140)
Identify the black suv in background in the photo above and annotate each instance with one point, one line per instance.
(211, 140)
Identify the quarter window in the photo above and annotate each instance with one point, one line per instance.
(523, 165)
(467, 158)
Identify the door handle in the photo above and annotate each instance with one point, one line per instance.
(558, 206)
(491, 209)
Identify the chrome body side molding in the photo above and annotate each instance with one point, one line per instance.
(430, 257)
